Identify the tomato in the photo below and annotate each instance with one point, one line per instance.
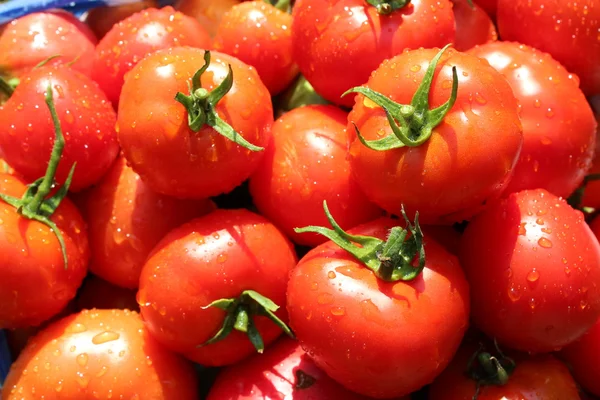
(566, 30)
(207, 12)
(260, 35)
(490, 6)
(284, 372)
(591, 194)
(152, 124)
(218, 256)
(447, 173)
(378, 337)
(137, 36)
(126, 220)
(29, 40)
(99, 354)
(540, 377)
(582, 356)
(559, 135)
(305, 164)
(35, 284)
(97, 293)
(338, 43)
(86, 116)
(534, 269)
(101, 19)
(473, 25)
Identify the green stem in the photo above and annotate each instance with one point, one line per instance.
(283, 5)
(385, 7)
(487, 369)
(299, 94)
(5, 87)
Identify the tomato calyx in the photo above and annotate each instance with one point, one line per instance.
(417, 121)
(300, 93)
(303, 380)
(385, 7)
(200, 105)
(489, 370)
(35, 204)
(7, 87)
(282, 5)
(240, 312)
(391, 260)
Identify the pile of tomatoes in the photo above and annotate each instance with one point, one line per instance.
(310, 199)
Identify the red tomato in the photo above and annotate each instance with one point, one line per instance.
(548, 159)
(490, 6)
(126, 220)
(534, 268)
(378, 338)
(568, 30)
(29, 40)
(591, 195)
(207, 12)
(540, 377)
(97, 293)
(99, 354)
(305, 164)
(260, 35)
(473, 25)
(86, 116)
(284, 372)
(214, 257)
(338, 43)
(101, 19)
(137, 36)
(583, 354)
(34, 283)
(153, 125)
(452, 174)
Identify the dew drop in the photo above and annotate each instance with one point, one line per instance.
(514, 293)
(338, 311)
(331, 275)
(545, 242)
(104, 337)
(324, 298)
(533, 276)
(82, 359)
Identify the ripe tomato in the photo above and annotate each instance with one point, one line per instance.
(29, 40)
(490, 6)
(137, 36)
(447, 171)
(473, 25)
(218, 256)
(260, 35)
(207, 12)
(98, 293)
(101, 19)
(582, 356)
(86, 117)
(559, 129)
(34, 283)
(567, 30)
(305, 164)
(126, 220)
(540, 377)
(338, 43)
(394, 335)
(534, 268)
(99, 354)
(152, 124)
(591, 194)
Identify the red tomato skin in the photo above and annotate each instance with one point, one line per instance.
(582, 355)
(591, 195)
(150, 115)
(121, 212)
(99, 354)
(342, 314)
(540, 377)
(566, 30)
(209, 258)
(473, 26)
(338, 43)
(29, 40)
(102, 19)
(490, 6)
(87, 121)
(306, 163)
(34, 284)
(98, 293)
(137, 36)
(534, 268)
(272, 375)
(207, 12)
(559, 129)
(452, 175)
(260, 35)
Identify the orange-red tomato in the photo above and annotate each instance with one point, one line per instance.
(101, 19)
(473, 25)
(207, 12)
(583, 354)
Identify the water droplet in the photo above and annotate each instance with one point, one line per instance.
(82, 359)
(221, 258)
(324, 298)
(415, 68)
(104, 337)
(533, 275)
(102, 371)
(532, 303)
(331, 275)
(514, 293)
(583, 304)
(338, 311)
(522, 230)
(314, 286)
(545, 242)
(539, 221)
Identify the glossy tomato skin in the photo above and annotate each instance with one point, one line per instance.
(559, 129)
(473, 25)
(338, 43)
(137, 36)
(213, 257)
(452, 175)
(534, 268)
(29, 40)
(591, 195)
(305, 164)
(582, 356)
(207, 12)
(153, 125)
(272, 375)
(343, 315)
(102, 19)
(490, 7)
(567, 30)
(126, 220)
(34, 283)
(260, 35)
(99, 354)
(540, 377)
(87, 121)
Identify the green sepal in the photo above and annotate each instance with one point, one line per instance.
(385, 7)
(489, 370)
